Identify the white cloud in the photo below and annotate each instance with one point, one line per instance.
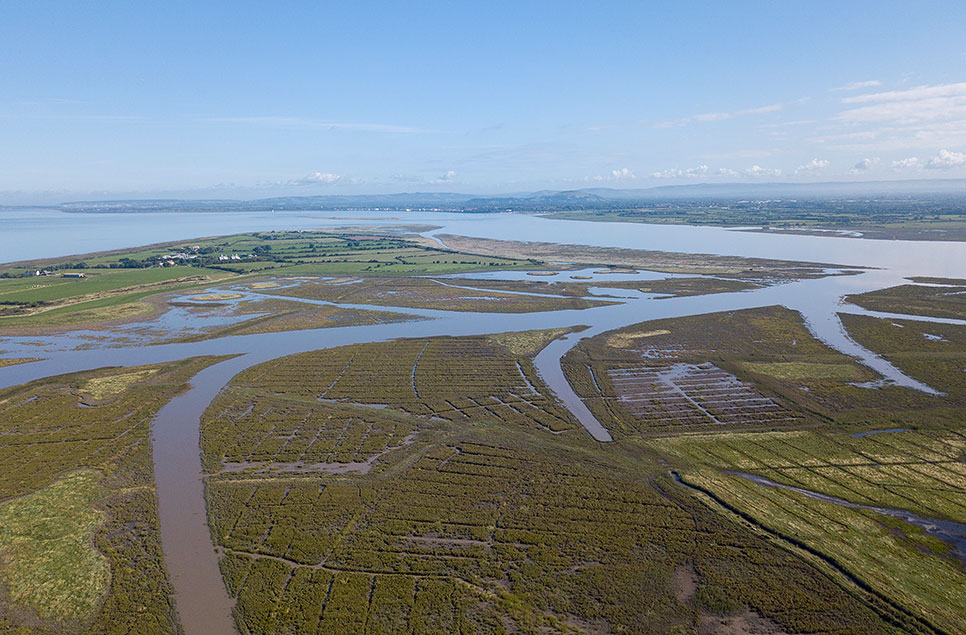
(622, 174)
(872, 83)
(946, 159)
(317, 178)
(864, 165)
(444, 178)
(674, 173)
(758, 171)
(812, 166)
(910, 162)
(703, 171)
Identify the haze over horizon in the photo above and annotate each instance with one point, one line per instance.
(139, 101)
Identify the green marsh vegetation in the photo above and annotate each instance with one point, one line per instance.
(919, 471)
(910, 575)
(12, 361)
(480, 513)
(51, 567)
(272, 315)
(428, 293)
(79, 543)
(765, 354)
(889, 220)
(677, 286)
(945, 301)
(930, 352)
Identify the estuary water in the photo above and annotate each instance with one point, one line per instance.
(41, 233)
(202, 602)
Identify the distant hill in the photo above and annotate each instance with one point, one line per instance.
(552, 200)
(831, 189)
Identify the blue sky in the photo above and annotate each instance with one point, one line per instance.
(109, 99)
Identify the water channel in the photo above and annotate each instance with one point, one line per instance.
(948, 531)
(200, 596)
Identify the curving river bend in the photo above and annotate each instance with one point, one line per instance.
(200, 596)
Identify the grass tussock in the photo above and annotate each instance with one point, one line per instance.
(528, 343)
(48, 563)
(111, 385)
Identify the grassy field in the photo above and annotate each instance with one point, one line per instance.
(436, 500)
(97, 281)
(917, 471)
(943, 301)
(116, 283)
(79, 542)
(911, 221)
(105, 294)
(300, 251)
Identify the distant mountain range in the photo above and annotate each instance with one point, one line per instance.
(588, 198)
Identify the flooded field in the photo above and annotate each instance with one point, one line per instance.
(692, 394)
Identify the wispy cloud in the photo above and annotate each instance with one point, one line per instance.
(911, 106)
(789, 124)
(721, 116)
(872, 83)
(733, 114)
(322, 124)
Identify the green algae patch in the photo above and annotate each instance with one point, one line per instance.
(48, 563)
